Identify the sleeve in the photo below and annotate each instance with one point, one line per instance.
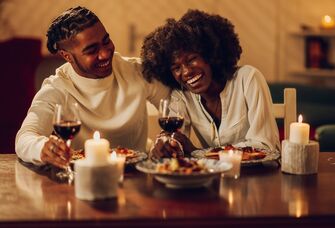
(37, 126)
(263, 130)
(156, 91)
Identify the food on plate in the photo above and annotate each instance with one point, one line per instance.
(249, 153)
(180, 165)
(214, 152)
(125, 151)
(78, 154)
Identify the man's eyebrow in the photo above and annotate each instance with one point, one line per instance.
(95, 44)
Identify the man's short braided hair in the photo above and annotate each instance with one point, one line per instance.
(69, 24)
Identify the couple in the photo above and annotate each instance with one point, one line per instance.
(195, 56)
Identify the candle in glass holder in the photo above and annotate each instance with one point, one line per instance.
(299, 132)
(119, 160)
(97, 150)
(233, 157)
(327, 22)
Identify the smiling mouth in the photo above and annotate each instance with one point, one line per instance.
(104, 64)
(194, 79)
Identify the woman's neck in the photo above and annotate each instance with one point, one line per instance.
(213, 92)
(212, 102)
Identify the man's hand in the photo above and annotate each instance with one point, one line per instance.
(56, 152)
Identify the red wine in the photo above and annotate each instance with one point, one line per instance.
(67, 129)
(170, 124)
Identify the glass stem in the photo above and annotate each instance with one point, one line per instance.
(68, 143)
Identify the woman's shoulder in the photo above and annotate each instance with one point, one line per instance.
(248, 73)
(247, 70)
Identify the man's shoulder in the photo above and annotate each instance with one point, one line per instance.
(124, 61)
(127, 68)
(55, 83)
(127, 59)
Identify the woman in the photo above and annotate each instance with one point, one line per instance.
(197, 56)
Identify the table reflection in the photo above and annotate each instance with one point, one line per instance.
(244, 197)
(294, 191)
(191, 201)
(39, 191)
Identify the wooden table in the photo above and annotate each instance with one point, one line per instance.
(263, 195)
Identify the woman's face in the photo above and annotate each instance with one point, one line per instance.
(192, 71)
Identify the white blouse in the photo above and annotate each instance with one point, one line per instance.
(247, 118)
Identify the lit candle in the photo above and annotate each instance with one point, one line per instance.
(299, 132)
(327, 22)
(234, 157)
(97, 150)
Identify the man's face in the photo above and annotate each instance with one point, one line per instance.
(91, 52)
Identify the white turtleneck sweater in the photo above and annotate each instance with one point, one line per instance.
(115, 106)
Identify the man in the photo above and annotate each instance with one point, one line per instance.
(109, 89)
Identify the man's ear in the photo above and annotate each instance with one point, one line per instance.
(66, 55)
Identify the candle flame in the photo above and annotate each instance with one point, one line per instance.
(113, 155)
(96, 135)
(230, 152)
(327, 22)
(300, 118)
(327, 18)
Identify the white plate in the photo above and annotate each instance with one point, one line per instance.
(181, 180)
(270, 156)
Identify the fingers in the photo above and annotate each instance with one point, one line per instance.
(157, 151)
(165, 149)
(55, 152)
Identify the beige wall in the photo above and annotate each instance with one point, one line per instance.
(263, 25)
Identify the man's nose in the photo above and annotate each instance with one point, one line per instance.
(105, 53)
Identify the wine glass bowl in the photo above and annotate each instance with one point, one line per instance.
(66, 124)
(170, 119)
(171, 124)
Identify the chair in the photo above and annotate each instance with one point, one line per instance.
(287, 110)
(19, 59)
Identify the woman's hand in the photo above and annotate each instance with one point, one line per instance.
(56, 152)
(188, 146)
(177, 146)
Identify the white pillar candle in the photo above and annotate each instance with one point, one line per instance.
(97, 150)
(299, 132)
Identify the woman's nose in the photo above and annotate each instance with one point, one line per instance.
(185, 70)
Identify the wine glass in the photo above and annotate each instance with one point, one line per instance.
(66, 123)
(170, 120)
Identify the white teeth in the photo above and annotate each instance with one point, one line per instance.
(194, 79)
(103, 64)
